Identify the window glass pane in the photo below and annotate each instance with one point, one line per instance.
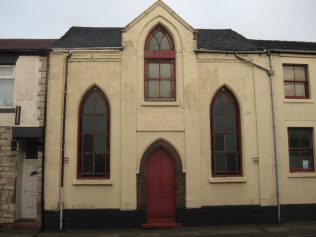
(293, 139)
(165, 89)
(231, 125)
(165, 70)
(153, 44)
(218, 123)
(87, 123)
(153, 88)
(87, 163)
(231, 142)
(217, 106)
(99, 142)
(218, 142)
(165, 44)
(289, 89)
(153, 70)
(88, 107)
(99, 164)
(31, 149)
(299, 72)
(6, 71)
(159, 35)
(228, 103)
(288, 73)
(100, 123)
(299, 89)
(295, 162)
(305, 138)
(6, 92)
(306, 159)
(100, 107)
(87, 143)
(232, 162)
(220, 161)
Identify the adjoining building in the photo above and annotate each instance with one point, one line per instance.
(23, 73)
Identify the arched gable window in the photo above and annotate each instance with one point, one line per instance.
(160, 79)
(225, 135)
(94, 136)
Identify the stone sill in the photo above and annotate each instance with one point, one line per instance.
(215, 180)
(302, 175)
(92, 182)
(160, 103)
(307, 101)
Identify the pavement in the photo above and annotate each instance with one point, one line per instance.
(296, 229)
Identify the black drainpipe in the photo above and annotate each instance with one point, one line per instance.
(43, 144)
(61, 200)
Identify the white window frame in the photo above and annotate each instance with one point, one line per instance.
(8, 78)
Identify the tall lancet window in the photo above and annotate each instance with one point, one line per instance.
(160, 77)
(225, 135)
(94, 136)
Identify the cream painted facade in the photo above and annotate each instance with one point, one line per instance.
(184, 123)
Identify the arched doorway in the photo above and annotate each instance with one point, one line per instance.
(160, 185)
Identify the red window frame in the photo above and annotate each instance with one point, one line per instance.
(81, 133)
(224, 115)
(159, 56)
(300, 149)
(297, 82)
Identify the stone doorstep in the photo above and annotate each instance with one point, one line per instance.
(27, 224)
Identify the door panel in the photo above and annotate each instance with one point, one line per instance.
(160, 186)
(29, 189)
(167, 177)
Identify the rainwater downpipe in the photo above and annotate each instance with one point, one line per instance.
(43, 143)
(276, 167)
(61, 191)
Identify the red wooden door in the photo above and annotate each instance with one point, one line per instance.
(160, 187)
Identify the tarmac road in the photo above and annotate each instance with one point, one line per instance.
(297, 229)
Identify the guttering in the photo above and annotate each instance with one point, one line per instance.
(43, 144)
(41, 52)
(89, 48)
(255, 51)
(292, 51)
(61, 192)
(229, 51)
(270, 73)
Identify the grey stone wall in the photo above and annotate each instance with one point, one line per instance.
(40, 117)
(8, 173)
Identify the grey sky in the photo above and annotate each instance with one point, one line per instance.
(255, 19)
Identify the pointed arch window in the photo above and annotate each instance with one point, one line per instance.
(160, 78)
(94, 136)
(225, 135)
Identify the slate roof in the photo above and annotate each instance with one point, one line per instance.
(207, 39)
(285, 45)
(26, 44)
(226, 40)
(91, 37)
